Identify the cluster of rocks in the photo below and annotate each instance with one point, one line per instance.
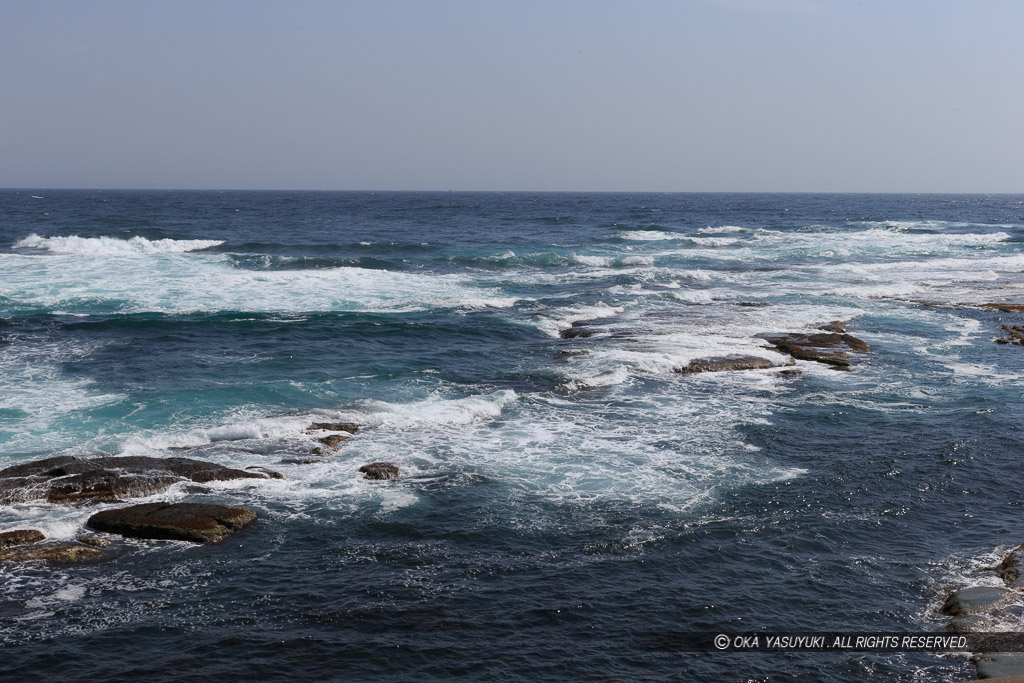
(1014, 333)
(1003, 307)
(979, 609)
(831, 347)
(69, 480)
(1015, 336)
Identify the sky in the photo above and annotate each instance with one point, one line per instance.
(594, 95)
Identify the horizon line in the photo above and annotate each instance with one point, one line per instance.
(457, 191)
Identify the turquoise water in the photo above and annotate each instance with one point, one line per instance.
(561, 499)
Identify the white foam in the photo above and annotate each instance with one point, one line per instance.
(179, 283)
(433, 411)
(713, 241)
(722, 230)
(554, 321)
(112, 246)
(40, 404)
(650, 235)
(597, 261)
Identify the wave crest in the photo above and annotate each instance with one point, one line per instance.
(112, 246)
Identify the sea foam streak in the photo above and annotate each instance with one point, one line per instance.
(112, 246)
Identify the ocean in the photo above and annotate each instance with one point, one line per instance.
(566, 497)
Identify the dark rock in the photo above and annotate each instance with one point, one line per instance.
(1010, 569)
(725, 364)
(569, 353)
(1016, 335)
(834, 358)
(379, 470)
(67, 479)
(976, 599)
(95, 541)
(791, 373)
(270, 473)
(350, 427)
(20, 537)
(855, 345)
(577, 333)
(52, 553)
(331, 442)
(837, 326)
(195, 522)
(299, 461)
(810, 347)
(753, 304)
(1004, 308)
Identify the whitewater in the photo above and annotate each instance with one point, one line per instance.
(569, 489)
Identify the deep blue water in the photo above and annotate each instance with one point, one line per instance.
(555, 510)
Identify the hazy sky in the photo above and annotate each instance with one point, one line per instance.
(685, 95)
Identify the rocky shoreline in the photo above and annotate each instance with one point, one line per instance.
(89, 481)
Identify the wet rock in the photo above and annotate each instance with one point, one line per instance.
(813, 347)
(976, 599)
(20, 537)
(569, 353)
(837, 326)
(67, 479)
(999, 664)
(1015, 336)
(379, 470)
(1004, 308)
(331, 442)
(350, 427)
(1011, 569)
(575, 332)
(299, 461)
(791, 373)
(195, 522)
(95, 541)
(271, 474)
(62, 554)
(753, 304)
(725, 364)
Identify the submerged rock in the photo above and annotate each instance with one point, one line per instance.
(753, 304)
(20, 537)
(51, 553)
(67, 479)
(577, 332)
(270, 473)
(725, 364)
(299, 461)
(379, 470)
(95, 541)
(331, 443)
(350, 427)
(195, 522)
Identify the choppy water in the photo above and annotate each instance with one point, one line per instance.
(554, 509)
